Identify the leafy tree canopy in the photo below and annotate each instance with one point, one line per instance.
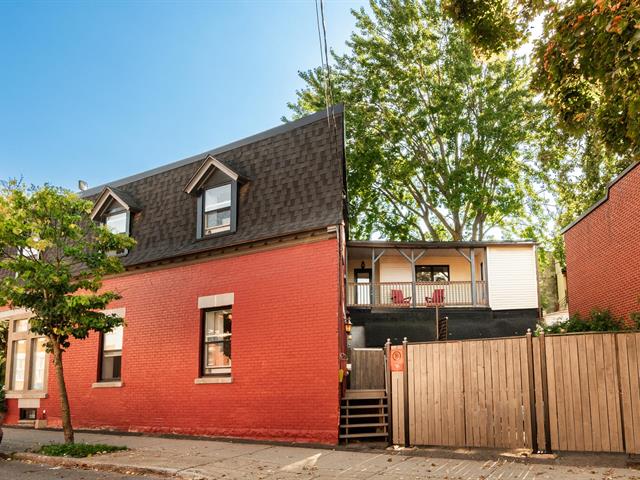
(587, 61)
(437, 139)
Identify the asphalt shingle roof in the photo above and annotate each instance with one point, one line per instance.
(295, 184)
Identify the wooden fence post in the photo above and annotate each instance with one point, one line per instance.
(532, 394)
(405, 391)
(545, 393)
(388, 380)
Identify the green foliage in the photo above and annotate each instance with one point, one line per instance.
(588, 67)
(56, 257)
(597, 321)
(436, 138)
(587, 61)
(78, 450)
(3, 402)
(494, 25)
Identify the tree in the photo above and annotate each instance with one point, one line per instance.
(54, 258)
(587, 60)
(436, 138)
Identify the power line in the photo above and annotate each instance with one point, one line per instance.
(326, 67)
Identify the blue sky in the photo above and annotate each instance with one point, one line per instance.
(101, 90)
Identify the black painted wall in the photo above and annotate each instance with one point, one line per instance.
(418, 324)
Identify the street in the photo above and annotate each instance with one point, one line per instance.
(211, 459)
(11, 470)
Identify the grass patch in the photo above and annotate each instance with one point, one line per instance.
(77, 450)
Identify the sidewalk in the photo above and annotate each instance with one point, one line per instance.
(208, 459)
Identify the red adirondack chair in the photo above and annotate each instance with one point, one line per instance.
(398, 298)
(437, 297)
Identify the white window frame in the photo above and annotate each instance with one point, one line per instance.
(219, 207)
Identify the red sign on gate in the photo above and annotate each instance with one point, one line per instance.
(396, 358)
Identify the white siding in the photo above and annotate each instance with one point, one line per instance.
(512, 278)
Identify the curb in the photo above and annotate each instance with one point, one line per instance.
(80, 463)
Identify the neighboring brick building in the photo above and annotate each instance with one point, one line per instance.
(238, 251)
(602, 251)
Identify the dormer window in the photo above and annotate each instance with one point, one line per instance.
(216, 188)
(217, 209)
(114, 208)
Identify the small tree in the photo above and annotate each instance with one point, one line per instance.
(54, 258)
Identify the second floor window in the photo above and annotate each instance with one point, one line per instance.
(117, 222)
(217, 209)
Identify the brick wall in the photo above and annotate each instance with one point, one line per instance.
(603, 253)
(285, 351)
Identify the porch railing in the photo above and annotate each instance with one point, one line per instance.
(400, 294)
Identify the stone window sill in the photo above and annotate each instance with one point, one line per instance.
(205, 380)
(107, 385)
(25, 394)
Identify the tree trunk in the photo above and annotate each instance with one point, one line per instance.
(62, 387)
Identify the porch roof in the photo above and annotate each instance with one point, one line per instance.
(427, 245)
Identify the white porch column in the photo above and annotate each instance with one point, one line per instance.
(474, 291)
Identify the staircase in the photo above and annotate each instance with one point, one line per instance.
(364, 416)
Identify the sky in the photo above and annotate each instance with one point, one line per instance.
(102, 90)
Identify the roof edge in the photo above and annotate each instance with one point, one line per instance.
(439, 244)
(602, 200)
(301, 122)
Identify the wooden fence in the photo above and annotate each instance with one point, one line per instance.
(575, 392)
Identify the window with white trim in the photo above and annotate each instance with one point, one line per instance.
(111, 355)
(217, 209)
(117, 222)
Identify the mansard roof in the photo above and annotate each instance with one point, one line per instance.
(296, 184)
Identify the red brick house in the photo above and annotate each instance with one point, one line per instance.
(603, 265)
(232, 301)
(237, 295)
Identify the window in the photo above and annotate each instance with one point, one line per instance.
(18, 364)
(38, 363)
(21, 326)
(27, 362)
(117, 222)
(111, 355)
(217, 209)
(432, 273)
(217, 342)
(28, 414)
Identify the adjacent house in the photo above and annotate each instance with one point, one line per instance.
(241, 290)
(475, 289)
(234, 315)
(603, 267)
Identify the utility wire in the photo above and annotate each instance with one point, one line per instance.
(326, 67)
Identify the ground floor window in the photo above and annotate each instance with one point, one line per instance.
(111, 355)
(216, 358)
(27, 361)
(38, 363)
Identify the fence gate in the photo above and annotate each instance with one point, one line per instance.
(467, 393)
